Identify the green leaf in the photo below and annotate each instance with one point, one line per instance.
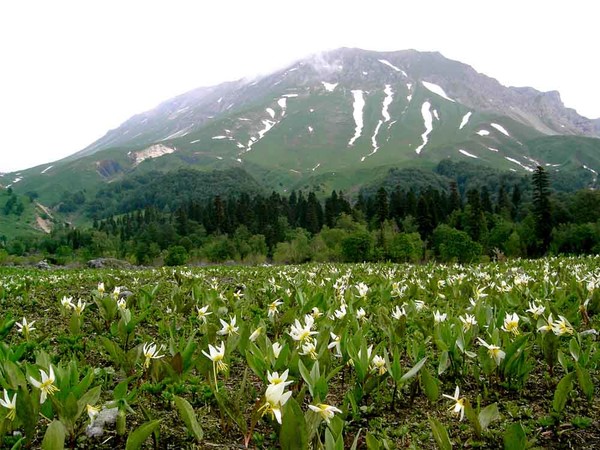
(574, 349)
(550, 348)
(514, 437)
(585, 382)
(372, 442)
(306, 375)
(140, 434)
(293, 434)
(472, 418)
(414, 371)
(444, 363)
(54, 439)
(355, 442)
(440, 434)
(488, 414)
(561, 394)
(429, 385)
(187, 414)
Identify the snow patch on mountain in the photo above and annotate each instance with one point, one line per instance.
(154, 151)
(512, 160)
(373, 141)
(465, 120)
(46, 169)
(500, 128)
(483, 133)
(282, 102)
(436, 90)
(217, 138)
(387, 101)
(358, 105)
(389, 64)
(466, 153)
(428, 120)
(435, 113)
(492, 149)
(329, 87)
(316, 167)
(271, 112)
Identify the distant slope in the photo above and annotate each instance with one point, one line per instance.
(334, 120)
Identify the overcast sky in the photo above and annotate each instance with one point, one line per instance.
(72, 70)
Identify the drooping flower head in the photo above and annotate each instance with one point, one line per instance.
(459, 405)
(9, 404)
(46, 386)
(150, 351)
(325, 411)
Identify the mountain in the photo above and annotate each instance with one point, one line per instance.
(334, 120)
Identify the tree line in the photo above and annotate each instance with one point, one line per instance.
(402, 224)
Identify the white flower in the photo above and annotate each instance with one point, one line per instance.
(562, 327)
(116, 292)
(362, 289)
(511, 323)
(361, 314)
(122, 304)
(316, 313)
(309, 348)
(203, 313)
(216, 355)
(255, 334)
(101, 287)
(549, 325)
(340, 313)
(325, 411)
(468, 321)
(494, 351)
(92, 412)
(151, 352)
(536, 310)
(79, 307)
(398, 313)
(9, 404)
(438, 317)
(276, 349)
(67, 302)
(46, 386)
(378, 365)
(228, 328)
(273, 308)
(301, 333)
(24, 326)
(275, 378)
(459, 405)
(275, 398)
(419, 305)
(335, 343)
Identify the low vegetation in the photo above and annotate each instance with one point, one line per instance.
(317, 356)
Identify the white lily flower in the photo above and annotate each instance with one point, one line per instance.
(276, 346)
(325, 411)
(79, 307)
(151, 352)
(335, 343)
(468, 321)
(535, 309)
(67, 302)
(301, 333)
(273, 308)
(46, 386)
(255, 334)
(275, 378)
(439, 317)
(361, 314)
(562, 326)
(494, 351)
(398, 313)
(25, 327)
(228, 328)
(378, 365)
(459, 405)
(275, 398)
(203, 313)
(511, 324)
(9, 404)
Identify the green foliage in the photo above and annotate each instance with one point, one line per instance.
(454, 245)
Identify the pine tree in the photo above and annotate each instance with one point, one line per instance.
(542, 211)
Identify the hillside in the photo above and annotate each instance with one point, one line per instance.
(336, 120)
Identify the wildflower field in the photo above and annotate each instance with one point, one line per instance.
(376, 356)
